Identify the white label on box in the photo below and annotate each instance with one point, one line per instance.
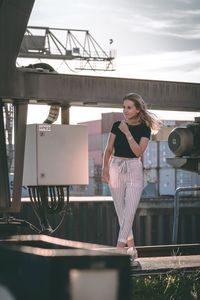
(44, 127)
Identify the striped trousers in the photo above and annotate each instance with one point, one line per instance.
(126, 184)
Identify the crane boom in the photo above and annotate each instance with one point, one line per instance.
(66, 44)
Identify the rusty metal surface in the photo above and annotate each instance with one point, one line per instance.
(73, 89)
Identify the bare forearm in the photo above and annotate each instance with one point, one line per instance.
(105, 167)
(106, 158)
(135, 147)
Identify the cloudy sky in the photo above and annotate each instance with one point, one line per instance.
(153, 39)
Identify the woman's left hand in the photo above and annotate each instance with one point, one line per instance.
(105, 174)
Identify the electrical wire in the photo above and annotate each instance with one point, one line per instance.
(49, 200)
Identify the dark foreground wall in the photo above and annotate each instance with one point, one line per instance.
(96, 222)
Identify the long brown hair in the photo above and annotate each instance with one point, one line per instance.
(147, 117)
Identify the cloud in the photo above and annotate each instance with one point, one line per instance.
(170, 19)
(175, 66)
(185, 1)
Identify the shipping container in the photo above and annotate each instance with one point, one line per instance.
(97, 170)
(187, 179)
(150, 183)
(84, 190)
(105, 190)
(94, 141)
(108, 119)
(164, 152)
(104, 140)
(166, 181)
(96, 155)
(150, 190)
(78, 190)
(150, 176)
(94, 127)
(169, 123)
(150, 156)
(91, 167)
(90, 188)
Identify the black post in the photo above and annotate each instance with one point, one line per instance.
(20, 137)
(4, 177)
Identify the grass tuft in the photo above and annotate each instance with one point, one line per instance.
(171, 286)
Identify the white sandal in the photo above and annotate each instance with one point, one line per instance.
(132, 252)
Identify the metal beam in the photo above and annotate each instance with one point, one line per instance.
(100, 91)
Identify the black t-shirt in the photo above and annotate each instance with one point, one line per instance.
(121, 145)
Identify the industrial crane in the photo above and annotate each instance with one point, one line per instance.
(66, 45)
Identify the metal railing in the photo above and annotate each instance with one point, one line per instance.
(176, 209)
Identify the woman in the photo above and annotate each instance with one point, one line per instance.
(122, 164)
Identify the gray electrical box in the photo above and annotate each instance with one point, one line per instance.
(56, 155)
